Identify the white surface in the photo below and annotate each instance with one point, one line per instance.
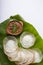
(30, 10)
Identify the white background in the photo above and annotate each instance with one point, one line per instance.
(30, 10)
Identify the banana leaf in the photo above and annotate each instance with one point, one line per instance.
(26, 27)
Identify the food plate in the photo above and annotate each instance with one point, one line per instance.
(26, 27)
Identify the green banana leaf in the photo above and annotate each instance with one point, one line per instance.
(27, 27)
